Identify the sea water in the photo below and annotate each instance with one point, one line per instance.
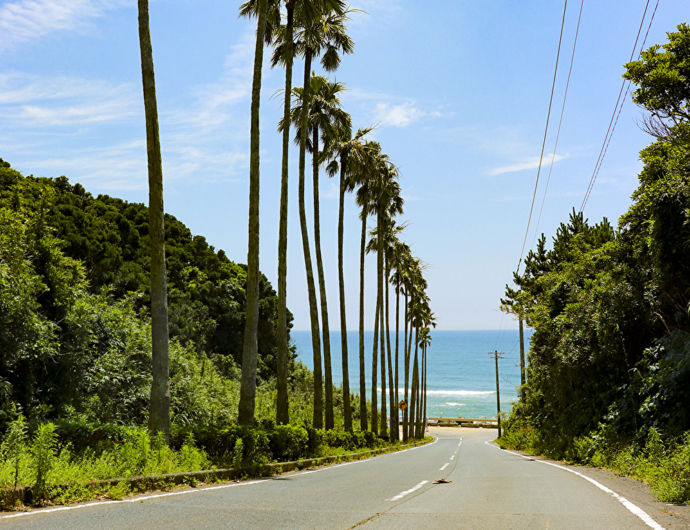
(461, 374)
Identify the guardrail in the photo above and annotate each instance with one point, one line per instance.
(463, 422)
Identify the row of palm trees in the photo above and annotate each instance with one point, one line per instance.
(316, 31)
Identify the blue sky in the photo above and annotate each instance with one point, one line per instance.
(458, 89)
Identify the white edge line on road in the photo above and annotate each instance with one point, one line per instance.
(132, 500)
(198, 490)
(632, 508)
(444, 466)
(407, 492)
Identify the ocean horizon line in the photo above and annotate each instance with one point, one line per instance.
(433, 330)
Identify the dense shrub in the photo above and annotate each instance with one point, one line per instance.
(289, 442)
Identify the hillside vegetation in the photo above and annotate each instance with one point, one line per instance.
(608, 380)
(74, 325)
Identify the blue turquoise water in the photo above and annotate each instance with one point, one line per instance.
(461, 374)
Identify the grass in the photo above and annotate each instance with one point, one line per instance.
(60, 476)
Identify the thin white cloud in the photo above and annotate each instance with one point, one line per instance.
(34, 101)
(120, 166)
(213, 100)
(204, 139)
(400, 115)
(28, 20)
(525, 164)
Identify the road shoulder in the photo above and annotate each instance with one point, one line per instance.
(669, 516)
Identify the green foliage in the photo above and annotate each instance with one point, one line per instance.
(238, 454)
(13, 445)
(663, 77)
(289, 441)
(74, 305)
(43, 454)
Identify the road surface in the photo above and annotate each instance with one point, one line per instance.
(487, 488)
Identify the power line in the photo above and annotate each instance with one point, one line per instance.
(543, 143)
(617, 109)
(541, 156)
(560, 121)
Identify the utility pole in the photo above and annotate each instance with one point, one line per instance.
(523, 378)
(497, 355)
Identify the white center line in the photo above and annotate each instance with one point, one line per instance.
(444, 466)
(407, 492)
(452, 457)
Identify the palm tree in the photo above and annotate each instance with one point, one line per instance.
(282, 35)
(422, 319)
(249, 350)
(159, 415)
(282, 404)
(391, 241)
(320, 29)
(347, 154)
(388, 203)
(387, 235)
(414, 285)
(325, 118)
(399, 255)
(424, 341)
(367, 199)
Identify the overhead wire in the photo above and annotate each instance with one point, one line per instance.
(543, 143)
(613, 122)
(541, 156)
(560, 121)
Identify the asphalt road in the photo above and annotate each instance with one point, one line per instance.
(487, 488)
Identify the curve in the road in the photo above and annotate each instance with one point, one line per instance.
(452, 483)
(631, 507)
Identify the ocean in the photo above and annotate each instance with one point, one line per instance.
(461, 379)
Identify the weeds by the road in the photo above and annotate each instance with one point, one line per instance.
(55, 471)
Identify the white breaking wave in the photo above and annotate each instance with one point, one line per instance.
(460, 392)
(454, 404)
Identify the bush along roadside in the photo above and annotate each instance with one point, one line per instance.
(53, 465)
(663, 465)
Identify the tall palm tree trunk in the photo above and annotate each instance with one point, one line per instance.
(347, 410)
(322, 283)
(391, 385)
(413, 400)
(397, 345)
(250, 347)
(159, 415)
(406, 368)
(424, 372)
(415, 378)
(374, 367)
(362, 372)
(379, 316)
(382, 340)
(311, 287)
(282, 405)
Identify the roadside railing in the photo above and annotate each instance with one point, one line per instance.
(463, 422)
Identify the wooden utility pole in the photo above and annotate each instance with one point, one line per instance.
(497, 355)
(523, 378)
